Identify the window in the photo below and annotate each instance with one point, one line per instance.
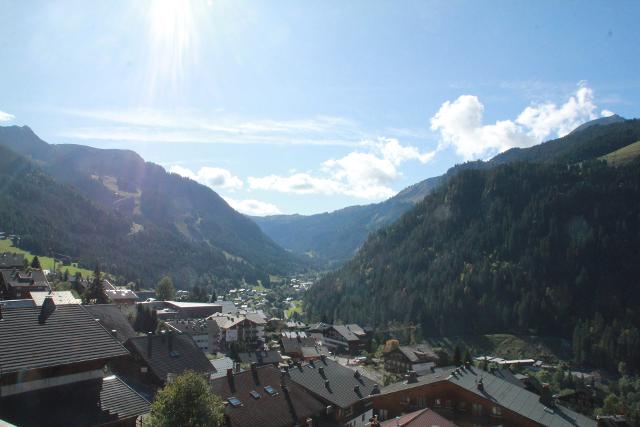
(462, 406)
(271, 391)
(255, 394)
(476, 409)
(234, 401)
(383, 413)
(496, 411)
(422, 401)
(437, 403)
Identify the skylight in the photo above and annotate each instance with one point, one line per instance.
(255, 394)
(270, 390)
(234, 401)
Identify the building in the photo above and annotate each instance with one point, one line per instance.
(245, 331)
(402, 359)
(52, 362)
(17, 284)
(59, 297)
(471, 396)
(156, 359)
(345, 392)
(193, 310)
(221, 365)
(351, 339)
(10, 260)
(420, 418)
(299, 345)
(261, 357)
(123, 297)
(198, 329)
(264, 397)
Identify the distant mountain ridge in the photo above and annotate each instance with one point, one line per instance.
(147, 197)
(334, 237)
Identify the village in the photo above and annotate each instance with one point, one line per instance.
(97, 361)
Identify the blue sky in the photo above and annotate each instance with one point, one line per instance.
(306, 107)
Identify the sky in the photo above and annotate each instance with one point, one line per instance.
(307, 107)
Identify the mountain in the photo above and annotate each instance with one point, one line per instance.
(548, 248)
(334, 237)
(603, 121)
(174, 210)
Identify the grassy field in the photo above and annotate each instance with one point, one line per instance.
(46, 262)
(623, 155)
(509, 346)
(296, 307)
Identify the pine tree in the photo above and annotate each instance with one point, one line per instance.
(35, 263)
(165, 290)
(95, 294)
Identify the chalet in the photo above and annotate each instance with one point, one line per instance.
(472, 396)
(351, 339)
(9, 260)
(299, 345)
(401, 359)
(345, 392)
(156, 359)
(261, 357)
(225, 329)
(59, 297)
(263, 396)
(16, 284)
(52, 363)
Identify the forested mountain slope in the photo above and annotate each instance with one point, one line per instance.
(527, 248)
(334, 237)
(148, 198)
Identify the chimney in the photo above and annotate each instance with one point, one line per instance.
(232, 386)
(480, 385)
(149, 344)
(357, 390)
(326, 384)
(321, 372)
(412, 377)
(48, 307)
(375, 389)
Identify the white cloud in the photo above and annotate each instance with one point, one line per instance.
(6, 117)
(216, 178)
(606, 113)
(191, 126)
(253, 207)
(364, 175)
(460, 124)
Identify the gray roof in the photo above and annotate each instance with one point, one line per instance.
(294, 345)
(69, 335)
(185, 354)
(346, 332)
(261, 357)
(221, 365)
(340, 389)
(112, 319)
(500, 390)
(11, 260)
(59, 297)
(17, 303)
(418, 353)
(120, 400)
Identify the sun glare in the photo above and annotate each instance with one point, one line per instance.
(172, 36)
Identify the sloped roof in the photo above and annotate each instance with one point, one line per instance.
(11, 260)
(261, 357)
(120, 400)
(346, 332)
(121, 294)
(21, 278)
(418, 353)
(314, 351)
(221, 365)
(340, 389)
(112, 319)
(294, 345)
(421, 418)
(69, 335)
(283, 409)
(185, 354)
(59, 297)
(500, 391)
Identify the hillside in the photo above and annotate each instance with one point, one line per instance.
(176, 211)
(624, 155)
(334, 237)
(522, 248)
